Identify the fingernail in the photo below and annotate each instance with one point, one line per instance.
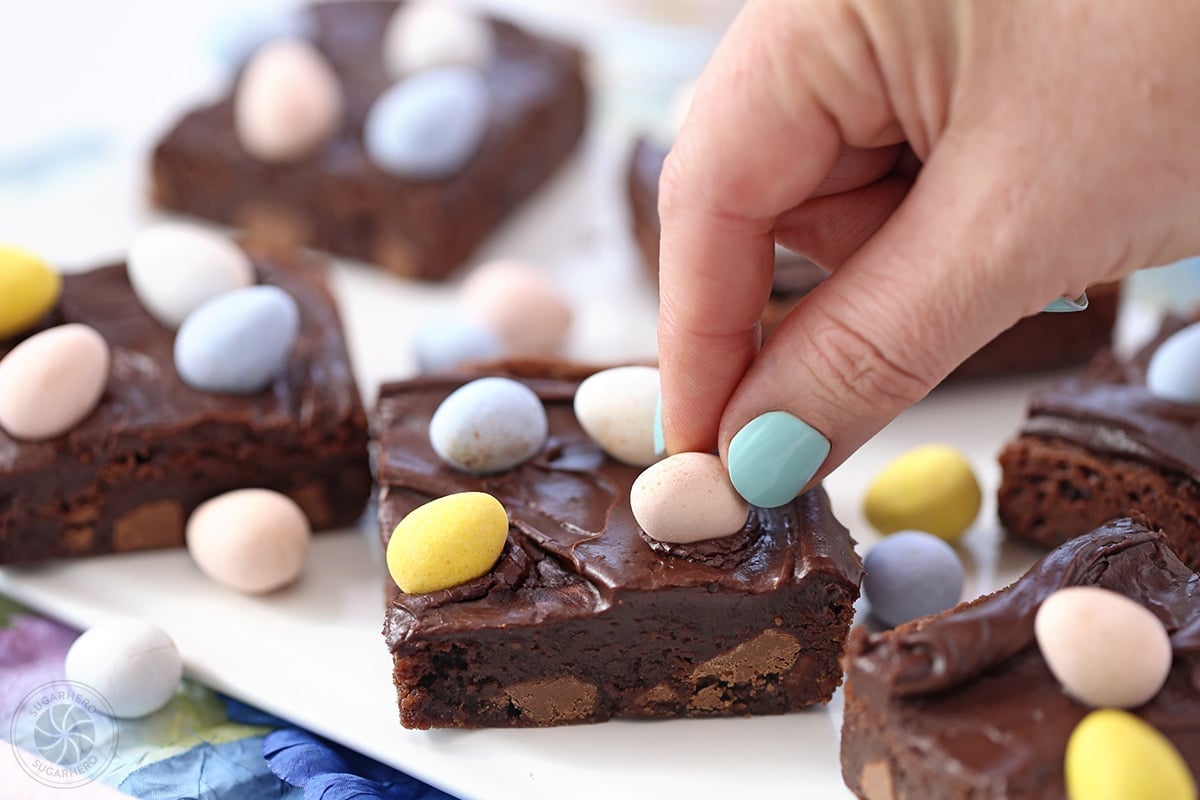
(1065, 303)
(660, 441)
(773, 457)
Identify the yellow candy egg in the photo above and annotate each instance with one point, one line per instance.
(447, 542)
(1113, 755)
(930, 488)
(29, 288)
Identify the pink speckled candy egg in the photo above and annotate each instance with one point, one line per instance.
(520, 304)
(1105, 649)
(616, 408)
(51, 381)
(288, 102)
(687, 498)
(251, 540)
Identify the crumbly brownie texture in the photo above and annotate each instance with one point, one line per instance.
(962, 705)
(339, 200)
(1040, 342)
(128, 476)
(1099, 445)
(580, 620)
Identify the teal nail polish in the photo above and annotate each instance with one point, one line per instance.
(1065, 303)
(660, 441)
(773, 457)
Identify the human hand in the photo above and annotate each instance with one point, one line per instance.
(1058, 143)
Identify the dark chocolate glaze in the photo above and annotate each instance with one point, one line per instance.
(572, 530)
(968, 696)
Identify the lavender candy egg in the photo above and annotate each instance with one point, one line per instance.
(1174, 370)
(489, 425)
(446, 343)
(238, 342)
(430, 125)
(911, 574)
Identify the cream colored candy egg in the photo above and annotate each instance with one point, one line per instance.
(52, 381)
(616, 408)
(686, 498)
(423, 34)
(520, 304)
(252, 540)
(29, 288)
(447, 542)
(288, 102)
(930, 488)
(1105, 649)
(175, 268)
(133, 665)
(1114, 755)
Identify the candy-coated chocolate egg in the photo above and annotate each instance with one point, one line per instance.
(1105, 649)
(488, 425)
(288, 102)
(430, 125)
(1114, 755)
(175, 268)
(930, 488)
(251, 540)
(1174, 370)
(447, 542)
(446, 343)
(687, 498)
(133, 665)
(51, 381)
(238, 342)
(518, 302)
(423, 34)
(241, 29)
(911, 574)
(616, 408)
(29, 288)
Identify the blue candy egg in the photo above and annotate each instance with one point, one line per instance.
(911, 574)
(429, 125)
(1174, 371)
(446, 343)
(488, 425)
(239, 341)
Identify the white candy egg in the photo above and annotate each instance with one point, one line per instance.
(686, 498)
(424, 34)
(1174, 370)
(133, 665)
(616, 408)
(488, 425)
(175, 268)
(51, 381)
(288, 101)
(1105, 649)
(251, 540)
(520, 304)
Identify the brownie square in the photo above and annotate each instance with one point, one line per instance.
(338, 200)
(1098, 445)
(128, 476)
(1040, 342)
(962, 704)
(581, 620)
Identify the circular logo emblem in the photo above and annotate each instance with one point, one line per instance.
(64, 734)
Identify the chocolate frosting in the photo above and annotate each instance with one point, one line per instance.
(574, 547)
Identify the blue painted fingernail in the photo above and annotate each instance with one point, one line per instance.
(660, 442)
(1065, 303)
(773, 457)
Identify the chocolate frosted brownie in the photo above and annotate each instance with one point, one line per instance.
(963, 705)
(127, 477)
(1098, 445)
(1040, 342)
(337, 199)
(581, 620)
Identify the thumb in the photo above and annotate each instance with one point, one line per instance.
(942, 277)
